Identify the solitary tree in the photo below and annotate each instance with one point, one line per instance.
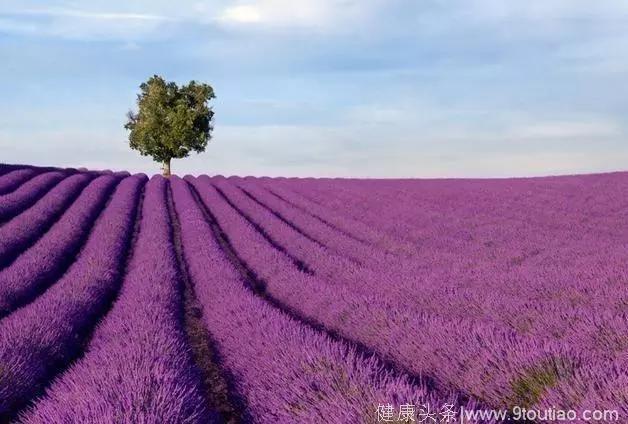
(171, 121)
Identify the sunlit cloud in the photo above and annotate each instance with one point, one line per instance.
(313, 14)
(241, 14)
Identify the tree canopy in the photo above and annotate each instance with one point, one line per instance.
(171, 121)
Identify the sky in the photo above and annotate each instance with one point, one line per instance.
(340, 88)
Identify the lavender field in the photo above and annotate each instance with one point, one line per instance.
(277, 300)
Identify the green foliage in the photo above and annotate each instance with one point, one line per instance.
(171, 121)
(529, 388)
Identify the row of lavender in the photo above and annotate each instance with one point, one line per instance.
(315, 378)
(532, 272)
(454, 293)
(86, 338)
(499, 340)
(73, 308)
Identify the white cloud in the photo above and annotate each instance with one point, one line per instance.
(241, 14)
(309, 14)
(141, 17)
(137, 19)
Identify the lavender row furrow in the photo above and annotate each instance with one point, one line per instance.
(429, 206)
(315, 256)
(6, 168)
(508, 292)
(12, 180)
(335, 240)
(27, 194)
(402, 279)
(39, 340)
(562, 280)
(314, 377)
(137, 367)
(390, 329)
(337, 220)
(445, 260)
(356, 267)
(357, 202)
(23, 229)
(38, 267)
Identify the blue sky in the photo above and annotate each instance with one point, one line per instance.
(369, 88)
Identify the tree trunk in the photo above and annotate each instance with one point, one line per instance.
(166, 168)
